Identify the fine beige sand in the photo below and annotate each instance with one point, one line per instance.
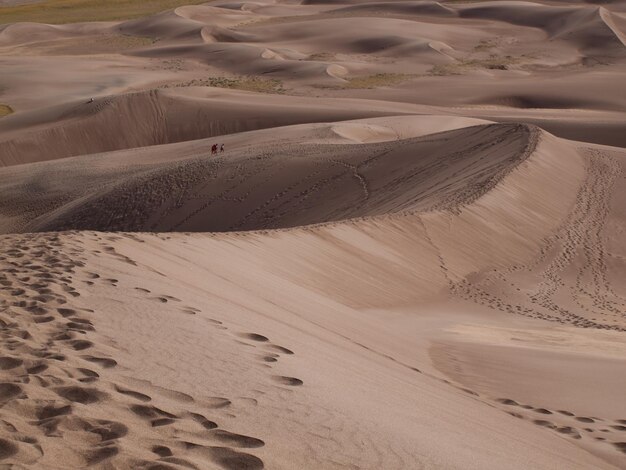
(410, 255)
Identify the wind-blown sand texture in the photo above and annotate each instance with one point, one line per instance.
(411, 254)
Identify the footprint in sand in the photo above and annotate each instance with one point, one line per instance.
(236, 440)
(583, 419)
(80, 324)
(131, 393)
(7, 449)
(254, 337)
(81, 395)
(8, 391)
(233, 460)
(99, 455)
(291, 381)
(545, 424)
(101, 361)
(162, 422)
(66, 312)
(37, 369)
(88, 375)
(151, 412)
(51, 411)
(216, 402)
(203, 421)
(7, 363)
(270, 358)
(80, 344)
(107, 430)
(162, 451)
(279, 349)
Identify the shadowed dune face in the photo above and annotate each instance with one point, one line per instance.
(260, 187)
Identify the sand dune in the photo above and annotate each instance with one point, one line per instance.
(156, 117)
(265, 186)
(273, 345)
(410, 254)
(591, 28)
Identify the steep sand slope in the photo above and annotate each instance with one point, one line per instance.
(227, 350)
(271, 186)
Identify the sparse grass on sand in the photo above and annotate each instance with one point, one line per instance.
(5, 110)
(100, 44)
(485, 45)
(322, 56)
(377, 80)
(462, 66)
(77, 11)
(256, 84)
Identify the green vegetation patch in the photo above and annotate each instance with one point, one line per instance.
(78, 11)
(256, 84)
(5, 110)
(377, 80)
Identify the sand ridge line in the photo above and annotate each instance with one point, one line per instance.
(243, 191)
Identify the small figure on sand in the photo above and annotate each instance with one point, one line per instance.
(90, 100)
(214, 149)
(222, 148)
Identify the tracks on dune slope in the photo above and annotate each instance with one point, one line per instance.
(265, 187)
(59, 381)
(571, 264)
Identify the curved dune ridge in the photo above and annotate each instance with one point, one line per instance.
(276, 186)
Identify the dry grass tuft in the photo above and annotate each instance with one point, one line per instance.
(377, 80)
(322, 56)
(256, 84)
(462, 66)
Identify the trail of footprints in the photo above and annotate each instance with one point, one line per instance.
(50, 366)
(270, 353)
(609, 431)
(598, 305)
(578, 242)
